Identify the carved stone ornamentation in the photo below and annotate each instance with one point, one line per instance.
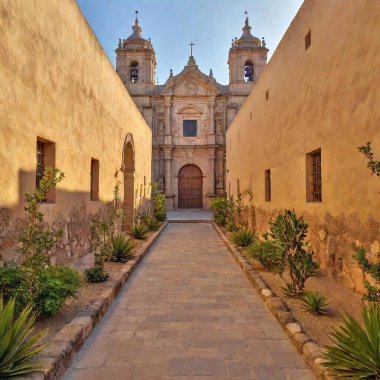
(191, 87)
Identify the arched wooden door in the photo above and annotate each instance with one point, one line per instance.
(190, 183)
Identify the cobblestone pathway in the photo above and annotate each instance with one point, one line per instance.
(188, 312)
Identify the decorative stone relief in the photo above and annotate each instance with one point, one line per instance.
(219, 181)
(191, 87)
(160, 128)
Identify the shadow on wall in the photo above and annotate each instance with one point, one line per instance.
(73, 212)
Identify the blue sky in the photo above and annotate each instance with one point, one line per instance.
(173, 24)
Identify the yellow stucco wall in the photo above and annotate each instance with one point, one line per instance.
(325, 97)
(57, 83)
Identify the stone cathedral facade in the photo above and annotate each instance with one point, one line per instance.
(189, 114)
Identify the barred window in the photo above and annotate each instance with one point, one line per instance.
(94, 174)
(40, 162)
(189, 128)
(45, 157)
(268, 190)
(314, 176)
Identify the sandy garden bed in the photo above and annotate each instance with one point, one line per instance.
(340, 298)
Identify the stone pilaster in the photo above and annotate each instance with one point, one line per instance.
(168, 126)
(211, 161)
(211, 129)
(168, 170)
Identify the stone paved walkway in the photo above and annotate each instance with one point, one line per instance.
(188, 312)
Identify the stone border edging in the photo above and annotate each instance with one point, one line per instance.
(57, 356)
(311, 351)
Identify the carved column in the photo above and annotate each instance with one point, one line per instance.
(168, 170)
(168, 127)
(155, 173)
(211, 129)
(211, 170)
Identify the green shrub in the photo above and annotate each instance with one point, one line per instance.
(139, 230)
(243, 238)
(356, 350)
(288, 232)
(372, 269)
(35, 239)
(151, 222)
(159, 204)
(267, 253)
(122, 248)
(219, 207)
(96, 274)
(315, 302)
(18, 343)
(55, 285)
(231, 226)
(45, 291)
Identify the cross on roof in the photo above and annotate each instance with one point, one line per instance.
(191, 48)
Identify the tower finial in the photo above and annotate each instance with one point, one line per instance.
(246, 15)
(136, 12)
(191, 44)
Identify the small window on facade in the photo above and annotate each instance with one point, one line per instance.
(134, 72)
(314, 176)
(45, 157)
(248, 71)
(94, 179)
(308, 40)
(267, 95)
(229, 189)
(144, 186)
(268, 191)
(238, 187)
(189, 128)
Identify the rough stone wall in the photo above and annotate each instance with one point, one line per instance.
(325, 97)
(58, 84)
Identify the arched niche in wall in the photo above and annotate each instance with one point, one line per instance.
(128, 169)
(249, 71)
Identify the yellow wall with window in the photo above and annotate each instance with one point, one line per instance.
(325, 97)
(58, 84)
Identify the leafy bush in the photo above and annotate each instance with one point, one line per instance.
(288, 232)
(159, 204)
(268, 254)
(34, 282)
(35, 239)
(373, 291)
(356, 350)
(18, 343)
(151, 222)
(50, 287)
(231, 226)
(122, 248)
(102, 232)
(139, 230)
(315, 302)
(55, 285)
(243, 238)
(96, 274)
(219, 207)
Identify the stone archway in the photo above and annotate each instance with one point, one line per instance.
(190, 186)
(129, 181)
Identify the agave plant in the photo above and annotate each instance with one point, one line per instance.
(122, 248)
(243, 238)
(356, 352)
(139, 230)
(315, 302)
(151, 222)
(18, 344)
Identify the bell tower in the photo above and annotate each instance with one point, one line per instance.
(246, 59)
(136, 63)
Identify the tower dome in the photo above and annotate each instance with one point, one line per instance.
(247, 40)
